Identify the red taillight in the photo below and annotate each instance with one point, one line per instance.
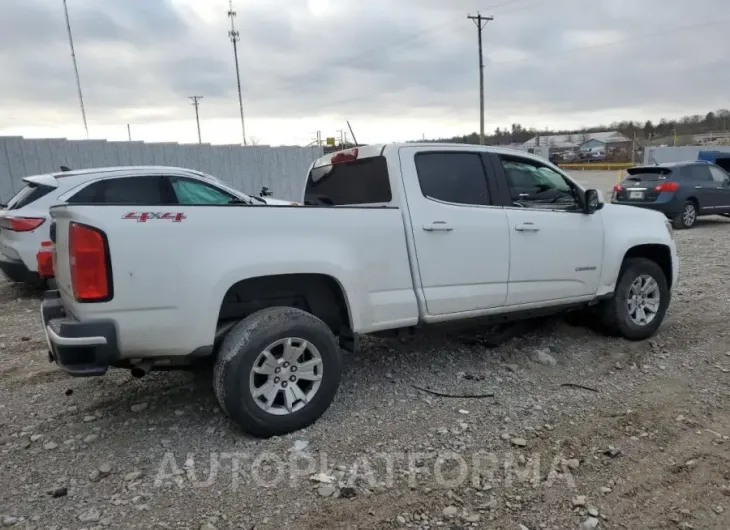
(666, 186)
(344, 156)
(89, 265)
(618, 188)
(44, 258)
(21, 224)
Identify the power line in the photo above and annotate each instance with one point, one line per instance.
(370, 54)
(76, 68)
(561, 52)
(619, 41)
(196, 103)
(480, 22)
(235, 37)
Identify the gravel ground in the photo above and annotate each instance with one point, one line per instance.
(644, 446)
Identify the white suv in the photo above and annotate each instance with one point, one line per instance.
(25, 221)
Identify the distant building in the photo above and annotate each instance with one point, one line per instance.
(606, 140)
(599, 141)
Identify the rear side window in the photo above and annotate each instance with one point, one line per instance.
(363, 181)
(191, 191)
(698, 172)
(453, 177)
(136, 190)
(28, 195)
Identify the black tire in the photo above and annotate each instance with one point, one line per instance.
(681, 220)
(616, 317)
(240, 350)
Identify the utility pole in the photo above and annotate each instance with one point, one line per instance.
(633, 150)
(196, 103)
(76, 69)
(129, 133)
(235, 37)
(480, 22)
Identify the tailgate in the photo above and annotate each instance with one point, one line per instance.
(61, 264)
(638, 190)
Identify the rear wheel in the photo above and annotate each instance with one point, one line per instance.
(277, 371)
(688, 216)
(640, 300)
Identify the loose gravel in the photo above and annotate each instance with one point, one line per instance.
(638, 440)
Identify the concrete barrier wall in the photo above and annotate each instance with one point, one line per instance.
(281, 169)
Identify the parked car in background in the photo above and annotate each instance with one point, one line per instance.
(417, 235)
(680, 190)
(25, 221)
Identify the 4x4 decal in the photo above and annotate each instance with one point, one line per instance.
(143, 217)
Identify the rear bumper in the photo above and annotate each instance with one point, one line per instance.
(16, 271)
(81, 349)
(669, 208)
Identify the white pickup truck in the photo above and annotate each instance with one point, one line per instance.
(392, 238)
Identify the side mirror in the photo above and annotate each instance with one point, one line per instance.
(726, 183)
(592, 201)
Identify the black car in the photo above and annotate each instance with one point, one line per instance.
(680, 190)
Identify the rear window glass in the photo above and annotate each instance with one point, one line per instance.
(363, 181)
(648, 173)
(29, 194)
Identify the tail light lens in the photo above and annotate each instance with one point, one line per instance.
(618, 188)
(89, 261)
(44, 258)
(666, 186)
(21, 224)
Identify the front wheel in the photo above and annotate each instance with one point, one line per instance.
(277, 371)
(640, 300)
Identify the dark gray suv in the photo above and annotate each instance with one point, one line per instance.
(680, 190)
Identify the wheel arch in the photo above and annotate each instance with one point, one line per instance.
(695, 200)
(319, 294)
(658, 253)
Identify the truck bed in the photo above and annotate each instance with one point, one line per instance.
(165, 264)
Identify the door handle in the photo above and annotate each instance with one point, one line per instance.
(698, 187)
(527, 227)
(438, 226)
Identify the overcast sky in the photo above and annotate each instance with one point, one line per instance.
(397, 69)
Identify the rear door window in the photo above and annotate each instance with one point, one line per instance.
(132, 190)
(700, 172)
(190, 191)
(454, 177)
(29, 194)
(362, 181)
